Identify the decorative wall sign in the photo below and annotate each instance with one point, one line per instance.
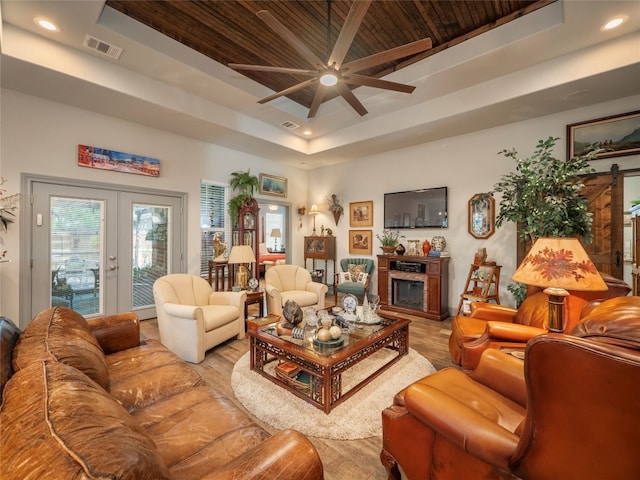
(271, 185)
(482, 216)
(361, 214)
(360, 242)
(617, 135)
(104, 159)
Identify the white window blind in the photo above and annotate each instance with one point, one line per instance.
(213, 218)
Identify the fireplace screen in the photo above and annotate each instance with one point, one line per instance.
(408, 293)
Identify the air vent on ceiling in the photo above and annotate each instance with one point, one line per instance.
(290, 125)
(102, 47)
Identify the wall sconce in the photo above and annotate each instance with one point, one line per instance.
(301, 211)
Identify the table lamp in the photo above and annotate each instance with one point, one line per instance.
(275, 233)
(315, 212)
(558, 265)
(241, 255)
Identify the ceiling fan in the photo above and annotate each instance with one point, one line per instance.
(333, 72)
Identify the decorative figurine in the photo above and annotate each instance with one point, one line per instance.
(219, 248)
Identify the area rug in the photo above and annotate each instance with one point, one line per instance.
(358, 417)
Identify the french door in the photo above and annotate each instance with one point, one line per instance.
(99, 250)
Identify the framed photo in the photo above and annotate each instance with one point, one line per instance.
(482, 216)
(361, 214)
(612, 134)
(360, 242)
(105, 159)
(271, 185)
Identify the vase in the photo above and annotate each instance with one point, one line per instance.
(400, 249)
(388, 249)
(336, 217)
(426, 248)
(438, 243)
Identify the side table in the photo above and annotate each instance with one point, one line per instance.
(256, 296)
(218, 269)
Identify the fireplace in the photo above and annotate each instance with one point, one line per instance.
(407, 293)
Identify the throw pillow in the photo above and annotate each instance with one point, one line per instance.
(362, 278)
(344, 277)
(354, 269)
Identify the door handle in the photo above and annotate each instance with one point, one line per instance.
(112, 267)
(618, 257)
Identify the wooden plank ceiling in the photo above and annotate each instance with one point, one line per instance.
(230, 32)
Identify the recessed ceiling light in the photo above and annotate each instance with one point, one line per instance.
(328, 79)
(307, 132)
(614, 22)
(46, 24)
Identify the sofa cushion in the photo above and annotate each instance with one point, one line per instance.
(216, 316)
(301, 297)
(141, 376)
(63, 335)
(57, 423)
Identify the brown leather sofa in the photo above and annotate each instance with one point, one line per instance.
(88, 399)
(497, 326)
(569, 411)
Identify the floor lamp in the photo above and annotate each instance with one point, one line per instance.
(558, 265)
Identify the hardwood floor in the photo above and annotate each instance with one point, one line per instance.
(343, 460)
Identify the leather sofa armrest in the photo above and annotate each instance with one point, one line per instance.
(465, 427)
(116, 332)
(287, 455)
(512, 331)
(491, 311)
(503, 373)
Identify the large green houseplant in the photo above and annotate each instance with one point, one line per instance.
(245, 185)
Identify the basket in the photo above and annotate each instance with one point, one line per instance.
(300, 380)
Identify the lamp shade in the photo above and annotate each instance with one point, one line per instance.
(559, 263)
(242, 254)
(275, 233)
(314, 210)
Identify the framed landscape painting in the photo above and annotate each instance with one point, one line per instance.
(617, 136)
(271, 185)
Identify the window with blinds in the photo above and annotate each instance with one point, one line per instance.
(213, 219)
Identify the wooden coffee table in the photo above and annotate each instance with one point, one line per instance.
(323, 368)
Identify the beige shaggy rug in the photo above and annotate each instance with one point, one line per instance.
(358, 417)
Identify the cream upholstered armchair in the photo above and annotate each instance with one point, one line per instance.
(291, 282)
(192, 318)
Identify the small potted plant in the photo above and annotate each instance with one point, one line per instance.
(245, 184)
(335, 207)
(389, 240)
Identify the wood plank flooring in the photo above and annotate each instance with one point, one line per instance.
(343, 460)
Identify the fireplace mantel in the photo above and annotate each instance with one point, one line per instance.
(430, 272)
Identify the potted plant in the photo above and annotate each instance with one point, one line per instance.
(245, 184)
(335, 207)
(389, 240)
(543, 195)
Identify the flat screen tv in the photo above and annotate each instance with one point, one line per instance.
(425, 208)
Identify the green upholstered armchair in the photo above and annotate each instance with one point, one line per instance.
(352, 285)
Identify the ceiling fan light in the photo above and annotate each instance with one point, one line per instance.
(328, 79)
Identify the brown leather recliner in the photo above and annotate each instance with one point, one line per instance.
(497, 326)
(578, 420)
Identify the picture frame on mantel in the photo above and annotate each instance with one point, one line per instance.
(361, 214)
(613, 134)
(272, 185)
(360, 242)
(482, 216)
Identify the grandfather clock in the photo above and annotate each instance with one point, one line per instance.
(246, 231)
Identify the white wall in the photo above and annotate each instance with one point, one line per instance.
(466, 164)
(41, 137)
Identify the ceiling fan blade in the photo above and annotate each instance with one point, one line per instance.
(355, 79)
(388, 55)
(351, 99)
(348, 32)
(290, 38)
(267, 68)
(289, 90)
(317, 101)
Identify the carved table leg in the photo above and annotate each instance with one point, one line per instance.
(390, 464)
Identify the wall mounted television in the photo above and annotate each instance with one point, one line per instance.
(424, 208)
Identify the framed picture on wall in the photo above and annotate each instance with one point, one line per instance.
(360, 242)
(482, 216)
(361, 214)
(271, 185)
(614, 135)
